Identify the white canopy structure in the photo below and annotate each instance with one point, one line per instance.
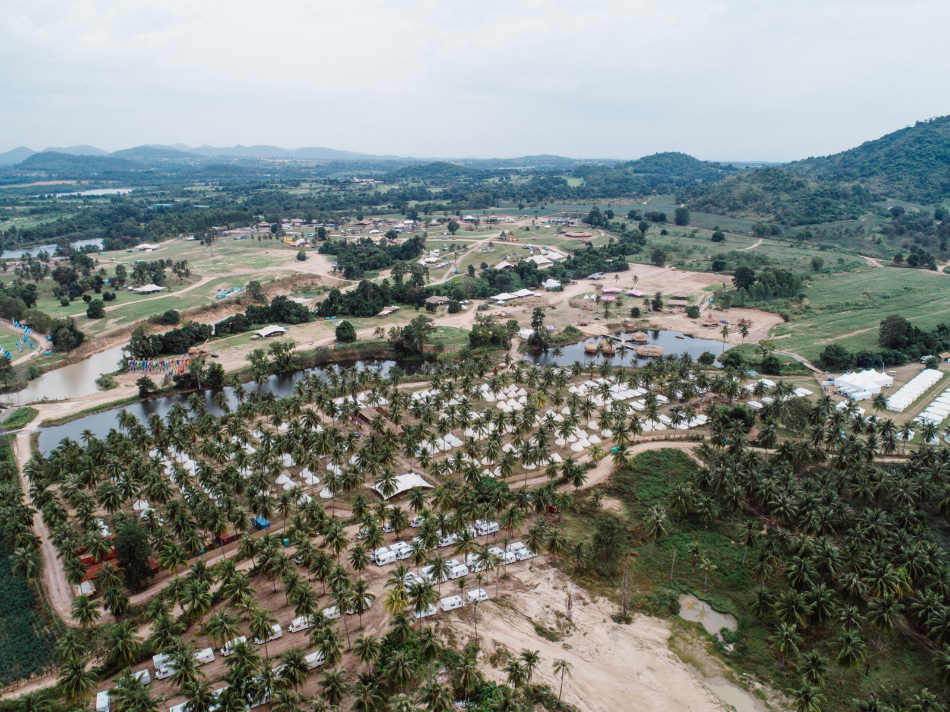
(870, 381)
(404, 483)
(272, 330)
(913, 389)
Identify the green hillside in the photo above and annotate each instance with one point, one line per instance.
(778, 195)
(909, 164)
(661, 172)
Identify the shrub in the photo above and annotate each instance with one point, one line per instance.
(692, 311)
(454, 306)
(707, 358)
(345, 333)
(108, 296)
(635, 312)
(301, 256)
(718, 236)
(106, 382)
(95, 310)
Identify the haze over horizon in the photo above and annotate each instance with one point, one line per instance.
(724, 80)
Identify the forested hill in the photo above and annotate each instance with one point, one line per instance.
(911, 164)
(662, 172)
(778, 195)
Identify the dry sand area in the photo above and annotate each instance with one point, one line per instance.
(615, 667)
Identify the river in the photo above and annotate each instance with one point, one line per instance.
(74, 381)
(281, 385)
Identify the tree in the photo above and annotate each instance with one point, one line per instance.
(609, 543)
(718, 236)
(817, 263)
(453, 227)
(658, 257)
(146, 386)
(681, 216)
(561, 668)
(96, 309)
(301, 256)
(345, 333)
(133, 550)
(894, 331)
(743, 278)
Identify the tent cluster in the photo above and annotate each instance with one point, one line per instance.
(862, 384)
(937, 411)
(913, 389)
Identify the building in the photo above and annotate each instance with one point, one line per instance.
(438, 300)
(551, 285)
(367, 416)
(863, 384)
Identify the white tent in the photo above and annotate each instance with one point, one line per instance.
(404, 483)
(868, 380)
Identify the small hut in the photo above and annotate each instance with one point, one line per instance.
(590, 347)
(649, 351)
(639, 337)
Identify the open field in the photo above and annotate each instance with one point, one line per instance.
(848, 308)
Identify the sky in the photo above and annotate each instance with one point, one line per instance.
(718, 79)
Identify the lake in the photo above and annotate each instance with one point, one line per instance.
(49, 249)
(672, 342)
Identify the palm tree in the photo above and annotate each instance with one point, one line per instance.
(561, 668)
(123, 645)
(422, 596)
(656, 525)
(808, 699)
(261, 624)
(84, 611)
(335, 686)
(293, 667)
(851, 651)
(367, 649)
(530, 660)
(76, 682)
(786, 641)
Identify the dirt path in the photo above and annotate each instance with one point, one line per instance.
(873, 261)
(59, 594)
(752, 247)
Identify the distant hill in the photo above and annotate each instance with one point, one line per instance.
(77, 150)
(778, 195)
(156, 153)
(69, 165)
(911, 164)
(20, 153)
(436, 169)
(663, 171)
(265, 152)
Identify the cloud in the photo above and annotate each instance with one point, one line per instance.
(719, 79)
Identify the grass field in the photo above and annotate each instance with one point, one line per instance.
(848, 308)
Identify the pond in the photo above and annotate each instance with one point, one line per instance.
(49, 249)
(697, 611)
(281, 385)
(73, 381)
(672, 342)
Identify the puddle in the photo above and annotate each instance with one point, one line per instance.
(734, 696)
(696, 611)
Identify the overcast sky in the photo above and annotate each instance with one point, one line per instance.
(719, 79)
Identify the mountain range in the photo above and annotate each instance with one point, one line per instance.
(910, 164)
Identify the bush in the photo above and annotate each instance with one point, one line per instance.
(345, 333)
(95, 310)
(635, 312)
(732, 359)
(301, 256)
(146, 386)
(108, 296)
(718, 236)
(106, 382)
(167, 318)
(692, 311)
(681, 216)
(454, 306)
(64, 302)
(836, 358)
(771, 365)
(707, 358)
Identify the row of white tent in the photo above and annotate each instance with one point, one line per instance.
(938, 410)
(504, 296)
(913, 389)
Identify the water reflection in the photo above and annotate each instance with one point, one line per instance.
(280, 385)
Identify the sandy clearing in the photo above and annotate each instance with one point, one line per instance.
(615, 667)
